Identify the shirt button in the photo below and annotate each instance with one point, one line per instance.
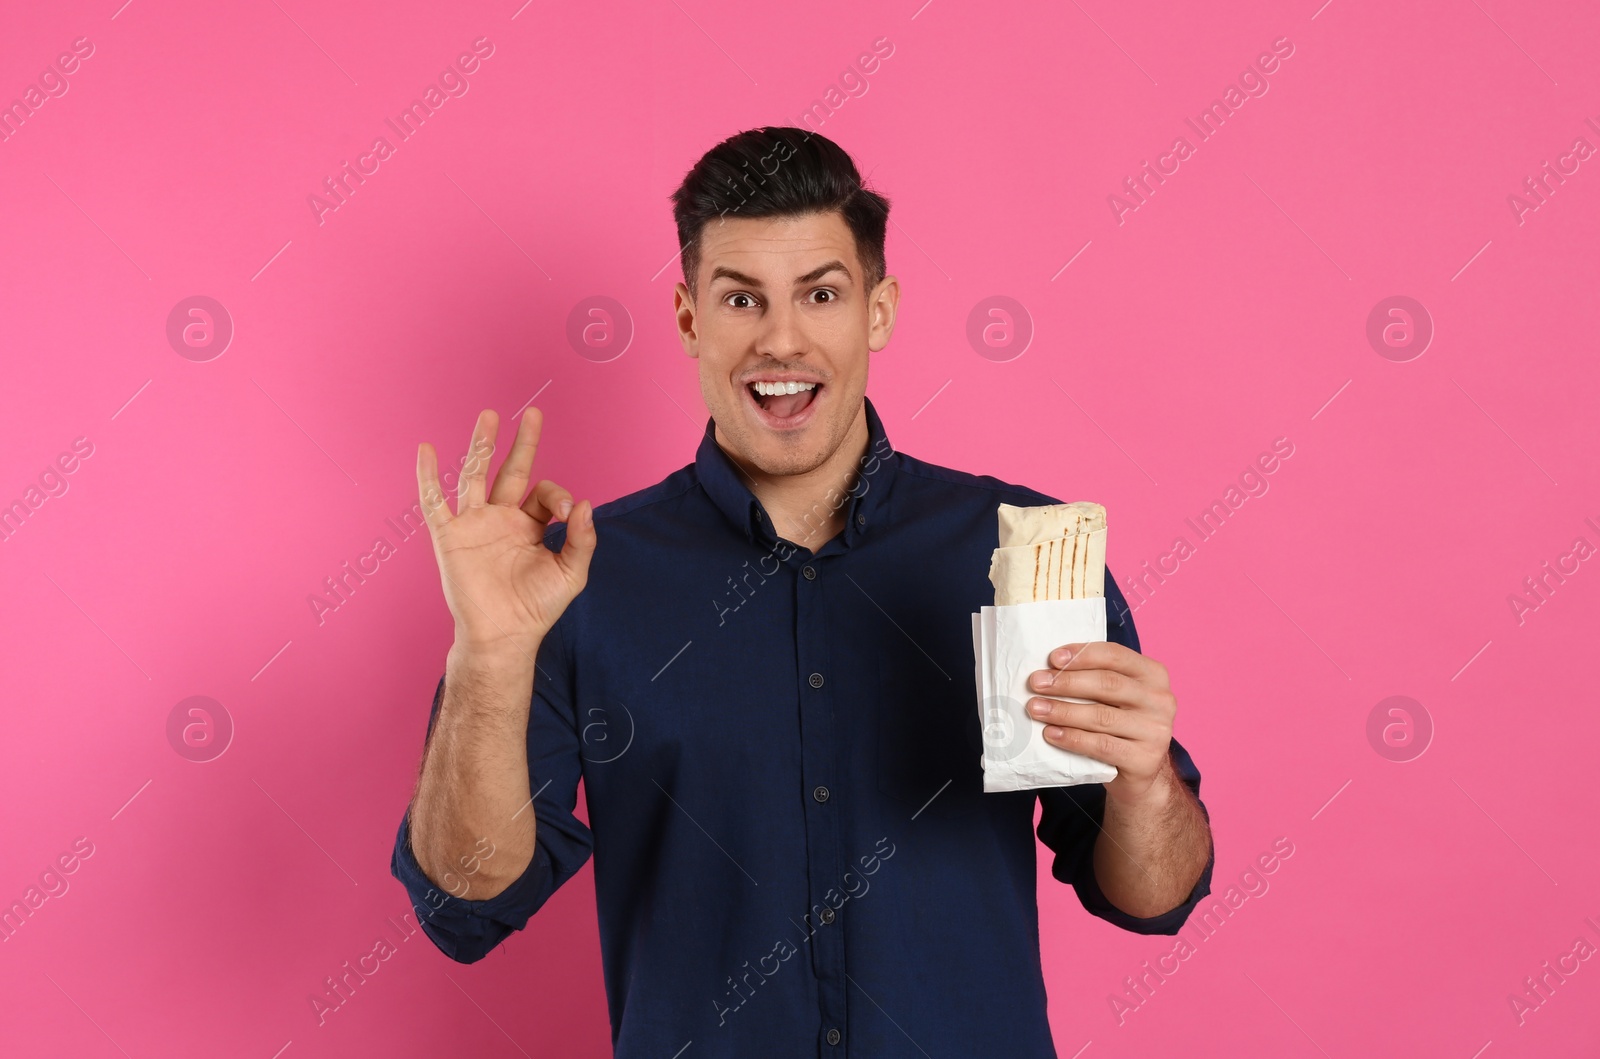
(820, 794)
(810, 572)
(816, 680)
(833, 1036)
(861, 520)
(828, 916)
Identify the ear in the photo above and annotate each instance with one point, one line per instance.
(683, 310)
(882, 304)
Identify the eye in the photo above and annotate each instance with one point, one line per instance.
(828, 294)
(739, 300)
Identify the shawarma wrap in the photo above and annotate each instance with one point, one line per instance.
(1053, 552)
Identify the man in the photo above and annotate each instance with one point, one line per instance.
(758, 667)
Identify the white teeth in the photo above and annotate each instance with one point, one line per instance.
(768, 389)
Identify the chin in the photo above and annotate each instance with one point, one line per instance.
(784, 460)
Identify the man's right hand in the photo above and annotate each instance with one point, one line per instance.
(505, 589)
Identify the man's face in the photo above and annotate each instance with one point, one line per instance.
(783, 301)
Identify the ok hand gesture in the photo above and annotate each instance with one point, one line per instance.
(505, 589)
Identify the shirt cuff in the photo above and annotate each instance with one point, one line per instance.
(1096, 902)
(466, 930)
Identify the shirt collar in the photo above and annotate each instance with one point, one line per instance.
(864, 506)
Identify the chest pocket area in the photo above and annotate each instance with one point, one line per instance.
(928, 730)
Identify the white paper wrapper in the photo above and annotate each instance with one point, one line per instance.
(1009, 644)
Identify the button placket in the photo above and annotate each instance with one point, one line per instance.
(819, 763)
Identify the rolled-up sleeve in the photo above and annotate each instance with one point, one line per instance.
(467, 930)
(1072, 816)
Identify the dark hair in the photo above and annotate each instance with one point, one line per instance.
(778, 172)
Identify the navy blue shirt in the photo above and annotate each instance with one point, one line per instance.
(793, 851)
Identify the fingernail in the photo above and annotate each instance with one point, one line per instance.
(1038, 709)
(1053, 732)
(564, 508)
(1042, 680)
(1062, 657)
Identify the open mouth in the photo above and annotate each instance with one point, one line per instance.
(784, 403)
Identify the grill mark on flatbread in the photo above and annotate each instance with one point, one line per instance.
(1072, 586)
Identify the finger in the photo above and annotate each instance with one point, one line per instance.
(548, 501)
(1123, 753)
(471, 490)
(1094, 717)
(435, 509)
(1101, 685)
(578, 548)
(1102, 654)
(512, 480)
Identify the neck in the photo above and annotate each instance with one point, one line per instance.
(809, 508)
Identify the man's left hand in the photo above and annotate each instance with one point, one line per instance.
(1129, 722)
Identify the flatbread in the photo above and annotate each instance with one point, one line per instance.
(1035, 525)
(1072, 567)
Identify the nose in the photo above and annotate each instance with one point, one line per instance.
(782, 336)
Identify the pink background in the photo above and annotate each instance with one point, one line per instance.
(1224, 313)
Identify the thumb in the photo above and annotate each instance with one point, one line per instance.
(579, 546)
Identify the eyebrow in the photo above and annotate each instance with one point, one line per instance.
(724, 272)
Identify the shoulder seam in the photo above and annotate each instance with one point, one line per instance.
(639, 503)
(973, 481)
